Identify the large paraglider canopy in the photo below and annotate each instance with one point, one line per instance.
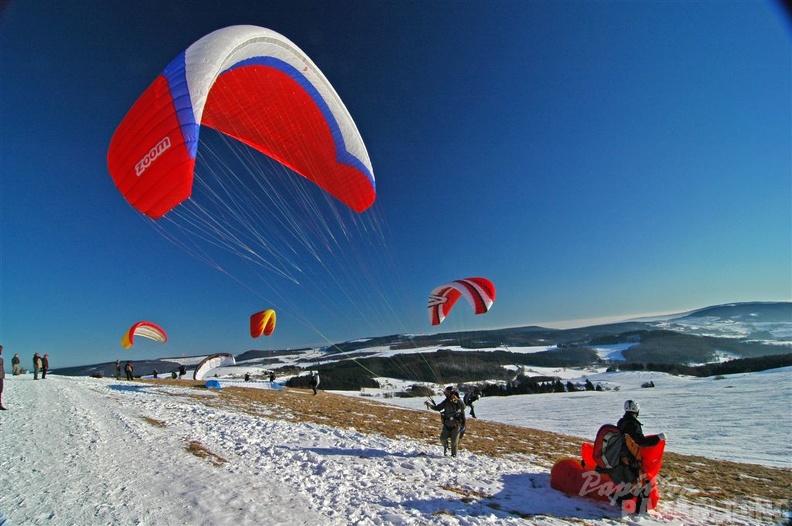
(241, 147)
(479, 292)
(212, 362)
(262, 323)
(251, 84)
(145, 329)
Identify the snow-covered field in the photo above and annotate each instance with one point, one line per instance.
(742, 417)
(710, 417)
(87, 451)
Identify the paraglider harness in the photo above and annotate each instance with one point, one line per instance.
(451, 417)
(619, 456)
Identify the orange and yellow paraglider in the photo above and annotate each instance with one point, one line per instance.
(145, 329)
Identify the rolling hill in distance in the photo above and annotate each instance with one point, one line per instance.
(704, 336)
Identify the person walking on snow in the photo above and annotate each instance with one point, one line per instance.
(470, 397)
(314, 381)
(118, 369)
(44, 366)
(452, 412)
(2, 379)
(15, 364)
(36, 365)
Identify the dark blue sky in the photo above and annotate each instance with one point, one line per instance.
(593, 159)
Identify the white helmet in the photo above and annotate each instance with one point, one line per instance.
(631, 407)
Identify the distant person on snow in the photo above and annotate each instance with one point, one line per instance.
(452, 412)
(2, 379)
(44, 366)
(36, 365)
(247, 377)
(272, 377)
(118, 369)
(182, 371)
(15, 365)
(470, 397)
(314, 381)
(128, 368)
(628, 472)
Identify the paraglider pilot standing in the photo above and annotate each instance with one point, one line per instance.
(128, 368)
(629, 470)
(452, 412)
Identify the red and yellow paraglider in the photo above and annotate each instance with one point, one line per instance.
(262, 323)
(145, 329)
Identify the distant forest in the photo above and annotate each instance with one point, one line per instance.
(453, 367)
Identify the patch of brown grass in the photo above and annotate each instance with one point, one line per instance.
(694, 478)
(200, 451)
(154, 422)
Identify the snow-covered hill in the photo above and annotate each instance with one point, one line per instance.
(763, 322)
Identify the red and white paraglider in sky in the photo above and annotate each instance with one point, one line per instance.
(251, 84)
(479, 292)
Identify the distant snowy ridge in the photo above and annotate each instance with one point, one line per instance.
(768, 325)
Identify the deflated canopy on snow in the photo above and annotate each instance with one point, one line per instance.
(145, 329)
(479, 292)
(252, 84)
(212, 362)
(262, 323)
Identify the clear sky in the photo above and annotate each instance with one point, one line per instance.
(593, 159)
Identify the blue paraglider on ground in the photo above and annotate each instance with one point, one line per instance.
(217, 383)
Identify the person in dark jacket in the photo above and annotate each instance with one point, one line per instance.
(470, 398)
(118, 369)
(128, 368)
(629, 471)
(452, 413)
(15, 365)
(44, 366)
(2, 379)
